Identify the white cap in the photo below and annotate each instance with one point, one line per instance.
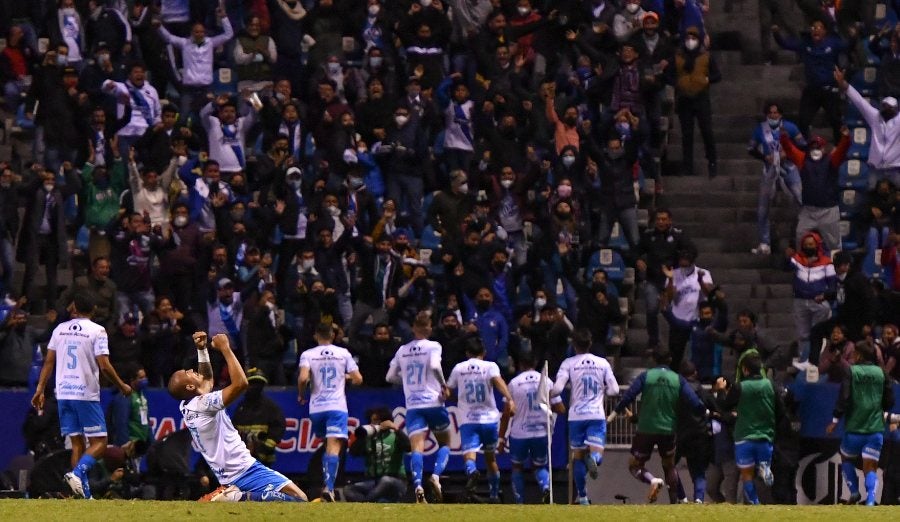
(889, 100)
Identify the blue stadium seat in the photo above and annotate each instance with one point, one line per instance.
(852, 116)
(610, 261)
(224, 81)
(871, 265)
(854, 174)
(848, 238)
(617, 238)
(859, 143)
(851, 202)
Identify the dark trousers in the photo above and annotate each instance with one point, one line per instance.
(699, 108)
(815, 98)
(47, 250)
(678, 339)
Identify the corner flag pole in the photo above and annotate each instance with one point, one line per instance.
(544, 393)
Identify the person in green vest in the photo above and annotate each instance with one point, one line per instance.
(661, 389)
(866, 393)
(383, 446)
(757, 407)
(129, 416)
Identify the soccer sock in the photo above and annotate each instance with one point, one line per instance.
(330, 466)
(494, 483)
(415, 464)
(518, 486)
(597, 456)
(699, 487)
(871, 484)
(441, 458)
(580, 475)
(268, 496)
(643, 475)
(470, 467)
(542, 475)
(750, 492)
(85, 463)
(850, 476)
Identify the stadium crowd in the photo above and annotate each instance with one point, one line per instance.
(258, 168)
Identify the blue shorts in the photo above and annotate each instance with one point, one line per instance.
(474, 437)
(260, 479)
(533, 449)
(584, 433)
(749, 453)
(329, 424)
(81, 417)
(867, 444)
(421, 419)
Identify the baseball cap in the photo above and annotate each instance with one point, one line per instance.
(649, 15)
(225, 283)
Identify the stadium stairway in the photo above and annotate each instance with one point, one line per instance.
(720, 214)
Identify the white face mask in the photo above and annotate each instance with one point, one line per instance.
(506, 183)
(401, 120)
(691, 43)
(816, 154)
(307, 264)
(568, 160)
(180, 221)
(463, 189)
(632, 8)
(540, 302)
(48, 187)
(374, 9)
(376, 61)
(523, 11)
(270, 305)
(334, 211)
(334, 67)
(182, 160)
(425, 3)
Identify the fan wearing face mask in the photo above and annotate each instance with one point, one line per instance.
(627, 21)
(129, 416)
(884, 147)
(819, 175)
(695, 71)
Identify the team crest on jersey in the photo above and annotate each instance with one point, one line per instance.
(327, 353)
(75, 327)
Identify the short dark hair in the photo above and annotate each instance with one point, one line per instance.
(662, 357)
(324, 331)
(687, 369)
(474, 346)
(865, 351)
(753, 364)
(769, 104)
(83, 303)
(746, 312)
(582, 339)
(382, 412)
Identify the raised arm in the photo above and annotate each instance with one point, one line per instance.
(236, 374)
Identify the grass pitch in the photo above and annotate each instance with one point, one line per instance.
(134, 511)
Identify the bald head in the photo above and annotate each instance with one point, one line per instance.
(185, 384)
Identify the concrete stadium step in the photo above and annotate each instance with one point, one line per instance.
(745, 232)
(730, 215)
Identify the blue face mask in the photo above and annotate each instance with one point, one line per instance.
(142, 384)
(623, 129)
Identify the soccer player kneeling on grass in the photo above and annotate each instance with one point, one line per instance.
(241, 476)
(592, 380)
(865, 395)
(475, 381)
(328, 368)
(528, 428)
(757, 407)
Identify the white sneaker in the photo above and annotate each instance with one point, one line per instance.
(762, 250)
(223, 494)
(75, 484)
(655, 485)
(698, 501)
(435, 482)
(765, 471)
(583, 501)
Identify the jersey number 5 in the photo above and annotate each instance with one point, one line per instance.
(73, 357)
